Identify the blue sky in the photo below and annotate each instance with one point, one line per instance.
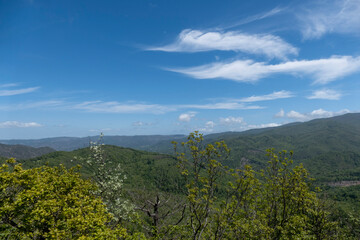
(78, 68)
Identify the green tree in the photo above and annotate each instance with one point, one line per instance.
(291, 208)
(202, 173)
(51, 203)
(277, 203)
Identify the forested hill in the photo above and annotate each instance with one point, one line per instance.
(307, 139)
(142, 142)
(143, 169)
(22, 152)
(340, 133)
(329, 148)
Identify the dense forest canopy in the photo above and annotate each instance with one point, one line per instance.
(201, 199)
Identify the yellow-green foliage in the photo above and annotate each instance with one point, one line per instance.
(51, 203)
(277, 203)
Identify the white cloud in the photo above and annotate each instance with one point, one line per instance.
(209, 127)
(186, 117)
(199, 41)
(31, 105)
(327, 94)
(231, 105)
(210, 124)
(232, 120)
(264, 125)
(321, 70)
(8, 85)
(116, 107)
(271, 96)
(102, 130)
(297, 116)
(257, 17)
(339, 16)
(17, 91)
(238, 124)
(142, 124)
(125, 107)
(130, 107)
(319, 113)
(15, 124)
(280, 114)
(138, 124)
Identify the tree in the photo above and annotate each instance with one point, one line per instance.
(291, 208)
(277, 203)
(202, 173)
(51, 203)
(160, 213)
(109, 180)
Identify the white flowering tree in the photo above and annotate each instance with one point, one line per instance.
(109, 178)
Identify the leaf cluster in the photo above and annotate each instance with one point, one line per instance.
(51, 203)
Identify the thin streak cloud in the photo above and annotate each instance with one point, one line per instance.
(16, 124)
(117, 107)
(257, 17)
(34, 105)
(221, 105)
(267, 97)
(17, 91)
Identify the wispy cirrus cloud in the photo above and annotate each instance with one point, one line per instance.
(16, 124)
(322, 71)
(34, 105)
(11, 92)
(117, 107)
(338, 16)
(8, 85)
(230, 105)
(124, 107)
(267, 97)
(133, 107)
(199, 41)
(256, 17)
(327, 94)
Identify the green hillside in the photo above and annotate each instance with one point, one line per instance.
(22, 152)
(147, 170)
(329, 148)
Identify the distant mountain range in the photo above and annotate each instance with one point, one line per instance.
(329, 147)
(22, 152)
(142, 142)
